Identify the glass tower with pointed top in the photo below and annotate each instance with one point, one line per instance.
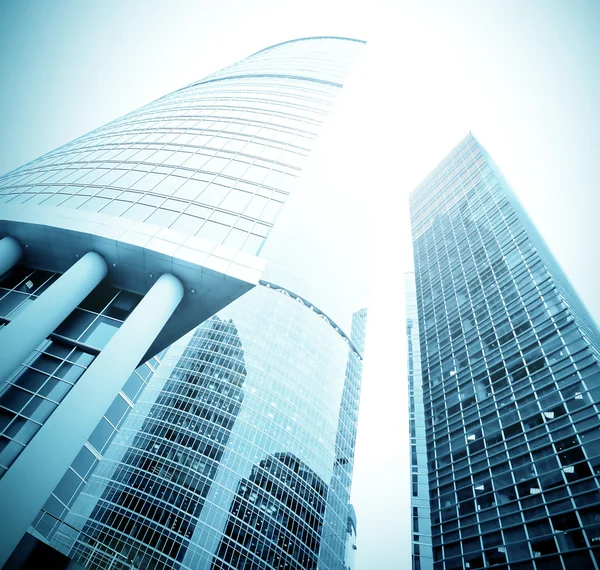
(511, 379)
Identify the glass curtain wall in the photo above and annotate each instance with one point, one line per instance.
(240, 451)
(510, 379)
(422, 554)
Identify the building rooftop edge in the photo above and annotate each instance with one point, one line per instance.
(310, 38)
(434, 171)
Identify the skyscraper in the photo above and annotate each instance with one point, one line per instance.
(122, 241)
(229, 457)
(510, 364)
(422, 555)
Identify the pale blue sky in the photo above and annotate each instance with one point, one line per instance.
(523, 75)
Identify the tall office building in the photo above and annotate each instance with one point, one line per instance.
(422, 554)
(511, 379)
(240, 451)
(181, 219)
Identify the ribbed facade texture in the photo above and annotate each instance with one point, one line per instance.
(163, 479)
(232, 447)
(422, 554)
(511, 379)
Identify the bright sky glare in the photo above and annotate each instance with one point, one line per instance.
(522, 75)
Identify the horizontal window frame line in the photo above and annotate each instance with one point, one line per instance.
(261, 75)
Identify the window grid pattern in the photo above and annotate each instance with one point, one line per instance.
(216, 160)
(510, 380)
(49, 522)
(148, 512)
(286, 429)
(33, 394)
(34, 391)
(422, 554)
(285, 501)
(338, 500)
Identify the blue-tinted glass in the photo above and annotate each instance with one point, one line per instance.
(498, 320)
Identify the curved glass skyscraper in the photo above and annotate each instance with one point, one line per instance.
(239, 452)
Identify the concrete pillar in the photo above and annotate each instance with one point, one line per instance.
(10, 253)
(35, 473)
(21, 336)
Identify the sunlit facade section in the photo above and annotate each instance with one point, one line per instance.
(422, 554)
(511, 377)
(189, 184)
(215, 160)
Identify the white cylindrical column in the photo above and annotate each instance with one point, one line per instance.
(10, 253)
(30, 480)
(21, 336)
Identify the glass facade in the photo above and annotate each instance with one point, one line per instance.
(41, 383)
(238, 450)
(511, 375)
(215, 160)
(239, 454)
(192, 183)
(286, 501)
(422, 554)
(162, 480)
(350, 556)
